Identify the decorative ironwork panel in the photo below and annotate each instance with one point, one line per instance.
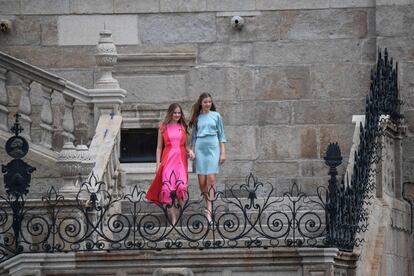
(95, 220)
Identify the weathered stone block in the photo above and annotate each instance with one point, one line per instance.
(241, 142)
(57, 57)
(182, 5)
(133, 6)
(153, 88)
(408, 172)
(234, 168)
(234, 53)
(323, 24)
(82, 77)
(45, 6)
(352, 3)
(230, 5)
(326, 112)
(10, 7)
(238, 113)
(408, 149)
(177, 28)
(313, 168)
(72, 31)
(276, 169)
(372, 21)
(273, 113)
(406, 71)
(307, 185)
(307, 51)
(308, 143)
(395, 21)
(339, 133)
(339, 80)
(283, 142)
(224, 83)
(280, 83)
(369, 51)
(400, 48)
(25, 31)
(392, 2)
(225, 32)
(49, 30)
(91, 6)
(409, 119)
(291, 4)
(232, 187)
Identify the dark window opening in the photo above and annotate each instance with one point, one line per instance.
(138, 145)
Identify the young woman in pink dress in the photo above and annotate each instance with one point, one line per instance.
(172, 166)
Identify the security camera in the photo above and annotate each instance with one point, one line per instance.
(5, 25)
(237, 22)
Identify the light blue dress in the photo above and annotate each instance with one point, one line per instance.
(206, 137)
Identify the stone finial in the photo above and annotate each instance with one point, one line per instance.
(106, 57)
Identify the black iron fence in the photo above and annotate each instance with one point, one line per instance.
(346, 203)
(95, 220)
(246, 215)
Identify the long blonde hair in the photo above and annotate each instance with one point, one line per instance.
(168, 117)
(195, 110)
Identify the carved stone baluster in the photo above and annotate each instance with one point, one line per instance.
(25, 108)
(46, 118)
(4, 100)
(68, 122)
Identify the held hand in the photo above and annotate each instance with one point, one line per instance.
(222, 158)
(191, 155)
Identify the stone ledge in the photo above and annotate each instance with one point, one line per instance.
(292, 261)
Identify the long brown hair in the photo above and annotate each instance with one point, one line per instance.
(168, 117)
(195, 110)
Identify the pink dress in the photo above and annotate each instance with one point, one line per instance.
(171, 178)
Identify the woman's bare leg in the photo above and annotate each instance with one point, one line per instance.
(202, 181)
(210, 193)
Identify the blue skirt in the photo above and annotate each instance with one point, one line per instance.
(207, 152)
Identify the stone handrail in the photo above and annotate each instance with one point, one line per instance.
(106, 149)
(49, 80)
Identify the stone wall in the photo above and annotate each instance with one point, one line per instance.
(287, 84)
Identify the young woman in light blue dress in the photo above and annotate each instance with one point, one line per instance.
(208, 141)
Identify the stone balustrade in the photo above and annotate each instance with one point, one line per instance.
(33, 92)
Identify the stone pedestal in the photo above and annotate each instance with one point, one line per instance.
(74, 164)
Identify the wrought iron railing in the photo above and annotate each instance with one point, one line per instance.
(94, 220)
(346, 203)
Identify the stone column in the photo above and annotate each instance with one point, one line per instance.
(68, 123)
(25, 108)
(4, 101)
(46, 118)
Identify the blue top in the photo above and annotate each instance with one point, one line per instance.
(209, 124)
